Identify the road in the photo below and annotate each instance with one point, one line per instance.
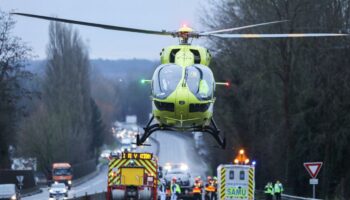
(177, 148)
(174, 148)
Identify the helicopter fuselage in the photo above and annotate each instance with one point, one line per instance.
(183, 88)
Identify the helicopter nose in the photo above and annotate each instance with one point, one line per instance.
(182, 102)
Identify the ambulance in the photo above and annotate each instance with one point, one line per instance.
(236, 182)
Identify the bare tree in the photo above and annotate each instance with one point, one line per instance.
(288, 101)
(13, 56)
(60, 130)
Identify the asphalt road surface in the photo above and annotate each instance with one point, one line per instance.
(179, 148)
(174, 148)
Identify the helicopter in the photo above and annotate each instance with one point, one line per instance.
(183, 86)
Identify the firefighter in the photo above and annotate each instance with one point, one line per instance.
(268, 191)
(209, 189)
(174, 189)
(197, 189)
(215, 186)
(278, 189)
(162, 189)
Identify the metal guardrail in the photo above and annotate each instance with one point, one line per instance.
(290, 197)
(97, 196)
(259, 195)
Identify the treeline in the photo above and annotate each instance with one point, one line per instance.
(118, 90)
(62, 108)
(51, 117)
(13, 57)
(66, 125)
(290, 98)
(116, 86)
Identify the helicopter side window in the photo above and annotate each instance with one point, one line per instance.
(196, 55)
(172, 55)
(165, 80)
(200, 81)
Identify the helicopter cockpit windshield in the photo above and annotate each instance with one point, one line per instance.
(200, 81)
(165, 80)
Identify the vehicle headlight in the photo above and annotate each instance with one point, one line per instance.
(184, 167)
(51, 190)
(69, 182)
(64, 190)
(13, 197)
(167, 167)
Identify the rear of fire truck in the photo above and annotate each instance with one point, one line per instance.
(132, 176)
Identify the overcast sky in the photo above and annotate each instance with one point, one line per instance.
(148, 14)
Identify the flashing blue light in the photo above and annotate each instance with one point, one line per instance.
(254, 163)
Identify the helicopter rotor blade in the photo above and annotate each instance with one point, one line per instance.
(241, 27)
(104, 26)
(286, 35)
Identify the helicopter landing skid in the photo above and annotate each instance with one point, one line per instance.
(149, 129)
(212, 130)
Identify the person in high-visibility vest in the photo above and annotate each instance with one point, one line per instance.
(268, 191)
(209, 188)
(174, 189)
(278, 189)
(214, 183)
(197, 189)
(162, 189)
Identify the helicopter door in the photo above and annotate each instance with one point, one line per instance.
(200, 81)
(165, 79)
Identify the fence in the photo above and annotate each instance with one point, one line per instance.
(259, 195)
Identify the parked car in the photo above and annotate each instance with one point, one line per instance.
(180, 171)
(9, 192)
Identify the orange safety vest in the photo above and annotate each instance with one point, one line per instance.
(167, 192)
(197, 188)
(210, 187)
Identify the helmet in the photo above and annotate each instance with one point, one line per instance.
(197, 179)
(174, 179)
(209, 178)
(162, 181)
(215, 178)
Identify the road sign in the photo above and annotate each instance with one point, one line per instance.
(20, 179)
(313, 181)
(313, 168)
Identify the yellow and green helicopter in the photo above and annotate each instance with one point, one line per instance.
(183, 85)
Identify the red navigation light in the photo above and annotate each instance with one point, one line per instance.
(227, 84)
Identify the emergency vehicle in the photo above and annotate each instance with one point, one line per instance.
(62, 173)
(132, 176)
(236, 182)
